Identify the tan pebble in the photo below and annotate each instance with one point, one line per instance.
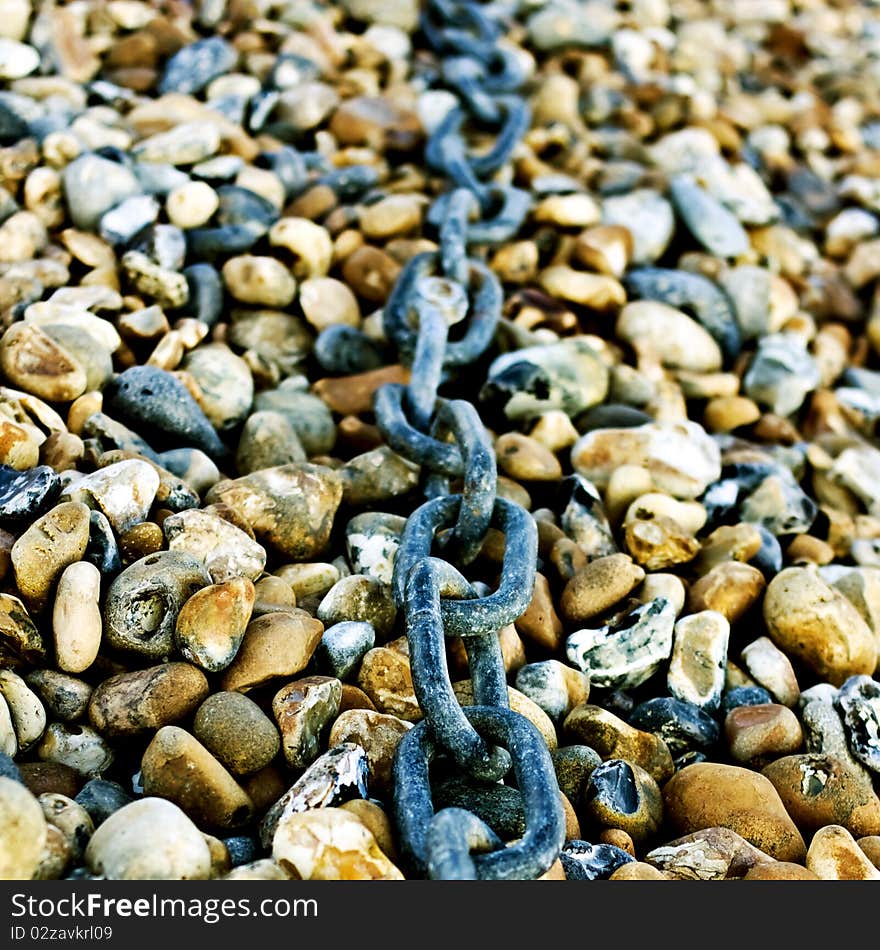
(62, 451)
(263, 869)
(272, 593)
(626, 483)
(805, 549)
(377, 821)
(554, 430)
(513, 491)
(599, 585)
(274, 645)
(355, 698)
(738, 542)
(637, 871)
(572, 825)
(689, 515)
(613, 738)
(598, 291)
(710, 794)
(522, 457)
(607, 249)
(573, 210)
(130, 703)
(259, 280)
(394, 215)
(330, 844)
(46, 548)
(659, 542)
(730, 588)
(191, 205)
(19, 448)
(757, 734)
(81, 408)
(31, 360)
(327, 302)
(379, 734)
(385, 676)
(657, 331)
(619, 838)
(262, 182)
(699, 655)
(726, 413)
(302, 709)
(772, 669)
(309, 579)
(818, 789)
(710, 854)
(517, 262)
(176, 766)
(540, 623)
(567, 557)
(835, 856)
(140, 540)
(28, 716)
(816, 625)
(310, 244)
(212, 623)
(55, 857)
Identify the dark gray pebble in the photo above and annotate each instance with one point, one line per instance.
(24, 495)
(744, 696)
(680, 725)
(583, 861)
(343, 350)
(192, 68)
(101, 798)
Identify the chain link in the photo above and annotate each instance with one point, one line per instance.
(442, 315)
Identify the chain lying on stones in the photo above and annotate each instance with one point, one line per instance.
(436, 291)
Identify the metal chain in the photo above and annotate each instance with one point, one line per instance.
(435, 292)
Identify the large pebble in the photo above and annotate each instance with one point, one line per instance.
(290, 507)
(834, 855)
(149, 839)
(708, 795)
(77, 626)
(698, 660)
(599, 585)
(123, 492)
(657, 331)
(33, 361)
(93, 185)
(22, 831)
(814, 623)
(211, 624)
(226, 551)
(302, 709)
(235, 730)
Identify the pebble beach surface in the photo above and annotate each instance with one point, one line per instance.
(203, 209)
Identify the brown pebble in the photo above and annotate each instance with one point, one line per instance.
(757, 734)
(352, 395)
(379, 734)
(43, 777)
(540, 623)
(637, 871)
(599, 585)
(522, 457)
(730, 588)
(835, 856)
(780, 871)
(302, 709)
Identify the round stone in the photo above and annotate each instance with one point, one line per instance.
(212, 623)
(22, 831)
(237, 732)
(191, 205)
(599, 585)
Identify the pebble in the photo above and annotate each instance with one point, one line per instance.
(276, 644)
(710, 854)
(226, 551)
(648, 217)
(131, 703)
(178, 767)
(378, 735)
(149, 839)
(359, 598)
(781, 374)
(699, 656)
(815, 624)
(612, 738)
(859, 703)
(713, 225)
(302, 710)
(28, 493)
(225, 384)
(819, 789)
(681, 458)
(93, 185)
(770, 667)
(101, 798)
(65, 697)
(123, 492)
(290, 507)
(79, 747)
(193, 67)
(143, 602)
(22, 831)
(629, 650)
(709, 795)
(159, 405)
(33, 361)
(343, 645)
(583, 861)
(834, 855)
(598, 586)
(234, 729)
(758, 733)
(46, 548)
(385, 676)
(555, 687)
(730, 589)
(211, 624)
(621, 794)
(681, 725)
(267, 440)
(191, 205)
(540, 622)
(330, 844)
(659, 332)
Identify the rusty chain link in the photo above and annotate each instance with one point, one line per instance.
(437, 291)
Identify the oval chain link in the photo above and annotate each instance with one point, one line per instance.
(435, 293)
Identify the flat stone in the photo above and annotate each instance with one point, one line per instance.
(290, 508)
(226, 551)
(131, 703)
(770, 667)
(713, 225)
